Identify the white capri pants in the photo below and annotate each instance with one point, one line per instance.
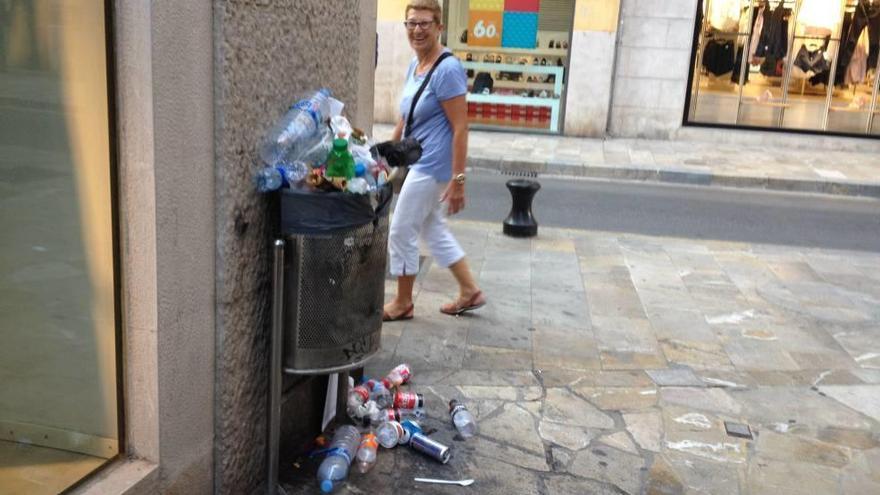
(419, 211)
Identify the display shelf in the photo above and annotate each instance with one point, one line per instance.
(553, 103)
(500, 83)
(852, 110)
(557, 71)
(554, 52)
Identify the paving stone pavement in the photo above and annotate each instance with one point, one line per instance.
(787, 165)
(609, 363)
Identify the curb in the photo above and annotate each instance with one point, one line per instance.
(673, 175)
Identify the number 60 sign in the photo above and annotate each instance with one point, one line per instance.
(485, 28)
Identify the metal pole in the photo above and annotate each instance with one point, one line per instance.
(786, 75)
(275, 372)
(833, 73)
(873, 110)
(698, 72)
(744, 62)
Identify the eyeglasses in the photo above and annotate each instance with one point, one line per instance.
(412, 25)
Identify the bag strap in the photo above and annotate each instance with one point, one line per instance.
(412, 109)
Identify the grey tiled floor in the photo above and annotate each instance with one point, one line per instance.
(609, 363)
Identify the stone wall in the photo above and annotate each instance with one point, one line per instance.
(266, 53)
(591, 66)
(653, 56)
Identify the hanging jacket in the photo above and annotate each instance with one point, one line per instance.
(774, 34)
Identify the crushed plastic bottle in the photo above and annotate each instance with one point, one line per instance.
(334, 469)
(462, 419)
(341, 127)
(380, 393)
(389, 434)
(357, 397)
(398, 376)
(293, 134)
(268, 179)
(366, 454)
(358, 185)
(294, 173)
(283, 175)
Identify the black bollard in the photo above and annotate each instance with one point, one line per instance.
(520, 222)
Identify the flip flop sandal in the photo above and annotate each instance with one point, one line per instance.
(406, 315)
(476, 301)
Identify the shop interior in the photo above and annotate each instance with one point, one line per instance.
(790, 64)
(516, 74)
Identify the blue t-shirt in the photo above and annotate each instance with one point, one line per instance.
(430, 125)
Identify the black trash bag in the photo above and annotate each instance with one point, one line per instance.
(401, 153)
(310, 213)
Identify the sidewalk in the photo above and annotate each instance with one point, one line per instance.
(609, 363)
(780, 167)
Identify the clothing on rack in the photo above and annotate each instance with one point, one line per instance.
(811, 60)
(857, 70)
(718, 56)
(866, 16)
(757, 29)
(774, 33)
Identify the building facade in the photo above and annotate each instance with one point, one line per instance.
(676, 69)
(135, 273)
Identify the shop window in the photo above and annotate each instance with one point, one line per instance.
(515, 53)
(786, 64)
(59, 406)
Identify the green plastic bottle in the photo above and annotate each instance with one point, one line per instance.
(340, 163)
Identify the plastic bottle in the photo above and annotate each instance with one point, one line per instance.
(462, 419)
(366, 454)
(297, 127)
(340, 163)
(398, 376)
(268, 179)
(380, 393)
(409, 400)
(389, 434)
(334, 468)
(357, 397)
(358, 185)
(294, 173)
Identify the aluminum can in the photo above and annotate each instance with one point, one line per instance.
(429, 447)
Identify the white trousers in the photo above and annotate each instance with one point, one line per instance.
(419, 211)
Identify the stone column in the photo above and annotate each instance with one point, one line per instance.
(267, 52)
(653, 58)
(591, 67)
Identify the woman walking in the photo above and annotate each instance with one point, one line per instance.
(438, 120)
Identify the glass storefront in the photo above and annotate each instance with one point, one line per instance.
(516, 53)
(808, 65)
(59, 401)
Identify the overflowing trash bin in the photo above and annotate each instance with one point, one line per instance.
(328, 285)
(334, 277)
(334, 199)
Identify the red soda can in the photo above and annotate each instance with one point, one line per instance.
(408, 400)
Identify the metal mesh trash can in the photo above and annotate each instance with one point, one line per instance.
(334, 279)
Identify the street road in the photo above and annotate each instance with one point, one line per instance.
(698, 212)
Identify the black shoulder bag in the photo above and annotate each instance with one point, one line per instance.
(412, 108)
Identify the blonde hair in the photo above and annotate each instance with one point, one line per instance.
(432, 5)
